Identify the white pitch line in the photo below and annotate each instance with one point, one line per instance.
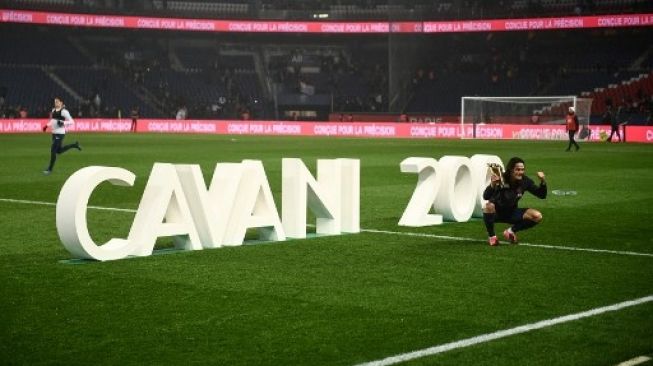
(54, 204)
(558, 247)
(441, 237)
(635, 361)
(444, 237)
(504, 333)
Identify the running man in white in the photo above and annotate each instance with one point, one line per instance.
(60, 119)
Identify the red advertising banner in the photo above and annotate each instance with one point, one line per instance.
(205, 25)
(255, 26)
(639, 134)
(330, 129)
(603, 21)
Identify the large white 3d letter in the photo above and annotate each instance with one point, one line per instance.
(163, 211)
(457, 194)
(334, 198)
(253, 207)
(71, 213)
(350, 195)
(428, 185)
(482, 174)
(210, 208)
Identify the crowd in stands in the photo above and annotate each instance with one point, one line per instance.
(535, 63)
(168, 78)
(107, 73)
(104, 74)
(17, 110)
(635, 110)
(352, 83)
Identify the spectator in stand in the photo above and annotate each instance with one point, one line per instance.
(182, 113)
(97, 103)
(134, 116)
(11, 111)
(245, 115)
(649, 118)
(535, 118)
(3, 96)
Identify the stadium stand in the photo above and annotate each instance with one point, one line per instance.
(271, 76)
(529, 64)
(341, 9)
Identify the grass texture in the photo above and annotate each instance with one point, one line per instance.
(332, 300)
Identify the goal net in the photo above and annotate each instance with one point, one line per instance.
(549, 110)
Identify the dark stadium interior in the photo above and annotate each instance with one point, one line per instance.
(109, 72)
(340, 9)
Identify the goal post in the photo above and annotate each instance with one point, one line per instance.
(544, 110)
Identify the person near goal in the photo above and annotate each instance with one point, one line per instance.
(572, 127)
(503, 194)
(59, 119)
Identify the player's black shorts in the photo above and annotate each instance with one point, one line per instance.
(511, 217)
(57, 141)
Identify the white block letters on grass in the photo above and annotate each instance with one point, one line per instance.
(333, 198)
(428, 185)
(164, 211)
(452, 188)
(71, 213)
(253, 208)
(176, 203)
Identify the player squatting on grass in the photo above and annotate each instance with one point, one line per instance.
(503, 194)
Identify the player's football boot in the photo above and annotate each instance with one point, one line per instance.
(493, 240)
(510, 236)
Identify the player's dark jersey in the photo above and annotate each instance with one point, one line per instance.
(57, 115)
(506, 199)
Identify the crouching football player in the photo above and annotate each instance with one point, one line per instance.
(503, 194)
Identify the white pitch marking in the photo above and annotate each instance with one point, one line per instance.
(442, 237)
(558, 247)
(54, 204)
(635, 361)
(504, 333)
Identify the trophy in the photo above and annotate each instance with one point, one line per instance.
(497, 170)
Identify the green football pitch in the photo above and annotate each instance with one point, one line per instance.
(577, 290)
